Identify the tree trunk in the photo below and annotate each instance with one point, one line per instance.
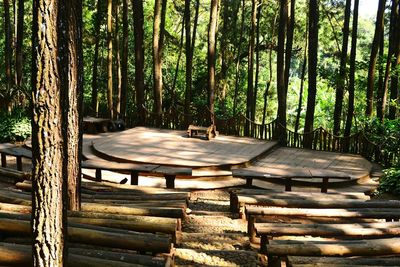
(280, 71)
(19, 43)
(237, 75)
(95, 102)
(341, 80)
(353, 51)
(379, 24)
(8, 45)
(250, 68)
(254, 108)
(302, 77)
(312, 70)
(124, 60)
(48, 181)
(110, 60)
(394, 79)
(139, 58)
(157, 71)
(212, 34)
(189, 61)
(173, 95)
(222, 81)
(289, 42)
(382, 98)
(118, 60)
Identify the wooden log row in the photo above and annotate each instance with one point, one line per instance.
(144, 242)
(21, 255)
(13, 176)
(373, 247)
(340, 261)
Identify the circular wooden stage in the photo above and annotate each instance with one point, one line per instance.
(175, 148)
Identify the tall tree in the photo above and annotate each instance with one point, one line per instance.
(313, 20)
(394, 79)
(258, 55)
(19, 43)
(379, 24)
(382, 94)
(250, 67)
(237, 72)
(212, 33)
(222, 83)
(124, 60)
(8, 45)
(48, 181)
(341, 80)
(289, 41)
(280, 71)
(159, 10)
(353, 51)
(110, 59)
(97, 24)
(138, 20)
(118, 59)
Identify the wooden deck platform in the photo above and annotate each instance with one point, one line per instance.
(174, 148)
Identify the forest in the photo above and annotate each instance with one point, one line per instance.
(320, 73)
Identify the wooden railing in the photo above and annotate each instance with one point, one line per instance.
(319, 139)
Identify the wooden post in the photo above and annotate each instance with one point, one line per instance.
(134, 177)
(170, 180)
(288, 184)
(3, 160)
(98, 175)
(249, 181)
(19, 163)
(250, 228)
(263, 244)
(324, 187)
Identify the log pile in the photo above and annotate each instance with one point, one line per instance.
(115, 227)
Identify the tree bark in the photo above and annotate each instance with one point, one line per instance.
(341, 80)
(394, 79)
(110, 60)
(280, 71)
(250, 68)
(139, 58)
(118, 60)
(19, 43)
(157, 70)
(222, 80)
(379, 25)
(8, 45)
(48, 181)
(289, 42)
(212, 33)
(254, 108)
(238, 58)
(312, 70)
(94, 99)
(124, 60)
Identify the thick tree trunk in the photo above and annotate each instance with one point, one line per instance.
(394, 79)
(312, 70)
(157, 71)
(341, 80)
(48, 182)
(139, 58)
(280, 72)
(212, 34)
(124, 60)
(8, 45)
(353, 51)
(94, 100)
(237, 75)
(110, 60)
(379, 24)
(189, 62)
(118, 60)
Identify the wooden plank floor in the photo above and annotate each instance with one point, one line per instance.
(166, 147)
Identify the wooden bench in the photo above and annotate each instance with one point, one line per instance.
(93, 125)
(13, 176)
(267, 231)
(169, 173)
(288, 175)
(208, 132)
(18, 152)
(294, 261)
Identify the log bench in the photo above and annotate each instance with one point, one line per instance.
(288, 176)
(134, 169)
(17, 152)
(297, 261)
(93, 125)
(13, 176)
(196, 131)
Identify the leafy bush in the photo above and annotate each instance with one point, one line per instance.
(390, 181)
(14, 128)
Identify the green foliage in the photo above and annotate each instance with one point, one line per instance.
(15, 127)
(390, 182)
